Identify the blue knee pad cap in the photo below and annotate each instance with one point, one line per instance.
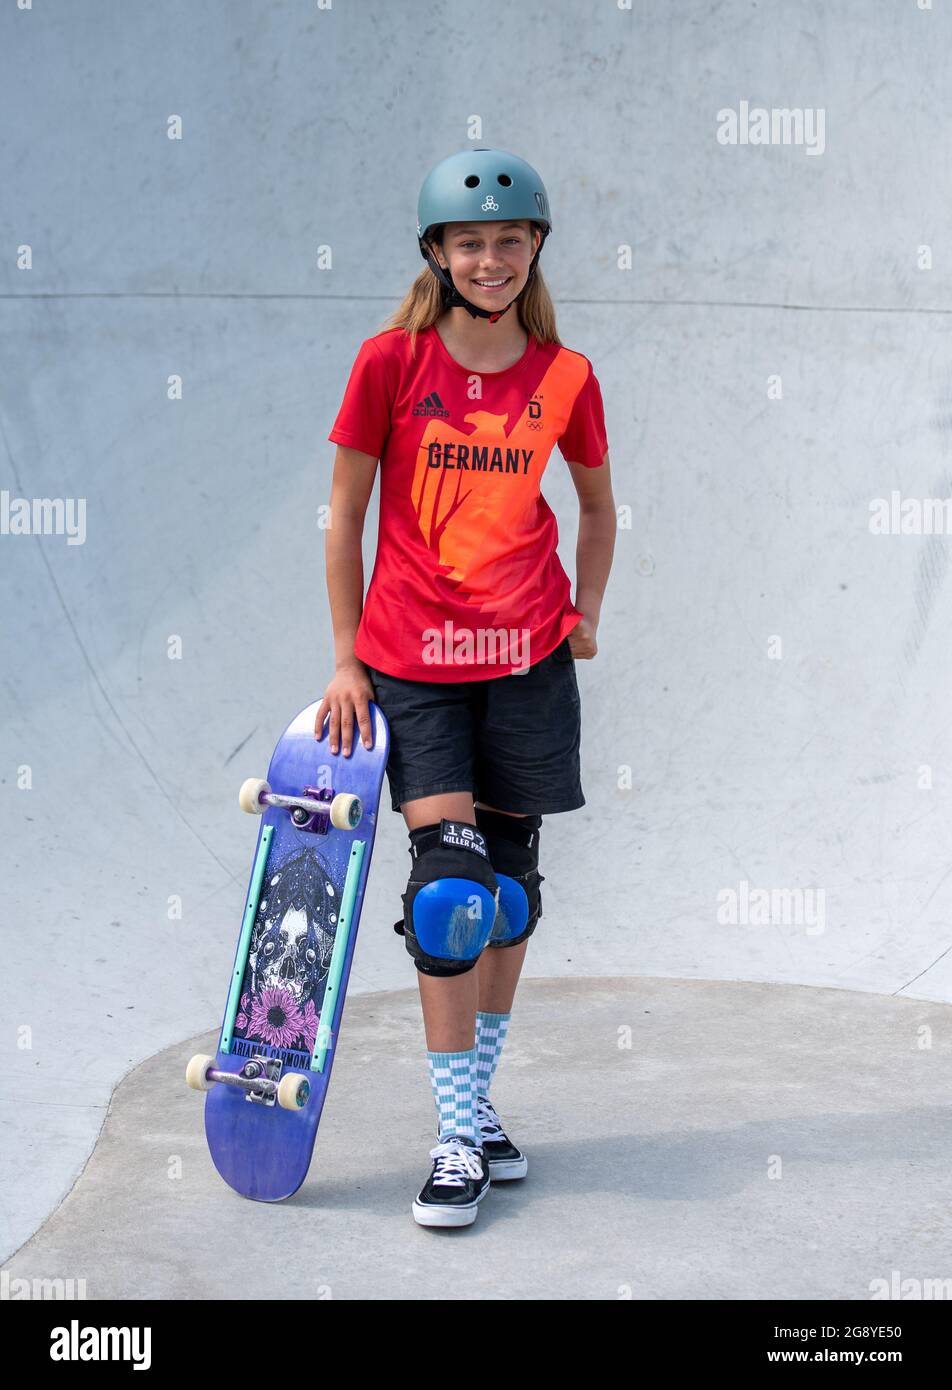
(452, 918)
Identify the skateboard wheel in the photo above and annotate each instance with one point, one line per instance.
(346, 811)
(293, 1091)
(249, 797)
(195, 1073)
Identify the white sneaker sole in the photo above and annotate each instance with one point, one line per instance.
(505, 1169)
(425, 1215)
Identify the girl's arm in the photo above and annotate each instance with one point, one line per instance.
(348, 693)
(597, 528)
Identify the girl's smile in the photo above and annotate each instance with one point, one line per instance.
(492, 286)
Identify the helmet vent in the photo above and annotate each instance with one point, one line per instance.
(471, 180)
(505, 180)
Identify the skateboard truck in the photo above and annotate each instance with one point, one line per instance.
(315, 810)
(260, 1078)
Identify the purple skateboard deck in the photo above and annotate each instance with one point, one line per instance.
(289, 979)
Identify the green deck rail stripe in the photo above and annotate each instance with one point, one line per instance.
(344, 924)
(244, 941)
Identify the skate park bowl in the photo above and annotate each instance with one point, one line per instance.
(728, 1061)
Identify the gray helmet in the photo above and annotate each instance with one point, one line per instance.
(480, 185)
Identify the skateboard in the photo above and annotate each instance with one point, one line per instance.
(266, 1085)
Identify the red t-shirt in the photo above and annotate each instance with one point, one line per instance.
(467, 584)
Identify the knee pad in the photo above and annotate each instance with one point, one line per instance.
(513, 844)
(449, 908)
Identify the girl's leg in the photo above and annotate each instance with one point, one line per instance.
(450, 1002)
(499, 970)
(466, 1016)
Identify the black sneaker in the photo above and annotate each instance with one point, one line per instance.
(503, 1159)
(459, 1182)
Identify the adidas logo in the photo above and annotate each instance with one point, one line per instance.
(431, 405)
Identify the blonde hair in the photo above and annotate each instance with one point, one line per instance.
(423, 305)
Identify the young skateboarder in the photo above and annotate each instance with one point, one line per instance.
(468, 636)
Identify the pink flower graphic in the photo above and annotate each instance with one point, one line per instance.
(275, 1017)
(242, 1020)
(309, 1025)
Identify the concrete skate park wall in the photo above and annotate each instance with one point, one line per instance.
(766, 743)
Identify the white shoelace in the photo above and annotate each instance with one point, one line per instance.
(488, 1120)
(457, 1162)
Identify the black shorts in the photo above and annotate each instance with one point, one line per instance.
(513, 741)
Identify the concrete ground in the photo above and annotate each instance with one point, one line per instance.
(685, 1140)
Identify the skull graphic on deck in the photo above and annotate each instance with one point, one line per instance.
(294, 929)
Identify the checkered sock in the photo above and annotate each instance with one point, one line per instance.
(491, 1032)
(453, 1078)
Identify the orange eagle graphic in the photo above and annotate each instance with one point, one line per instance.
(473, 515)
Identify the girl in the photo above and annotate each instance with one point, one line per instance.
(468, 637)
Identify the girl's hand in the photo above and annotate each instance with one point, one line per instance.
(346, 695)
(582, 642)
